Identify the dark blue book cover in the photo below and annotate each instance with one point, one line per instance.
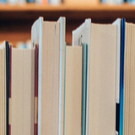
(7, 86)
(121, 75)
(30, 1)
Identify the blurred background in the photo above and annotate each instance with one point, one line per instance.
(17, 16)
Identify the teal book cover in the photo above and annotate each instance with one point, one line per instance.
(84, 87)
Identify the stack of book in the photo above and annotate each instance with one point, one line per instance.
(83, 89)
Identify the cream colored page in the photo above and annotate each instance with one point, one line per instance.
(102, 80)
(127, 63)
(28, 94)
(2, 94)
(73, 96)
(50, 79)
(131, 98)
(17, 93)
(133, 79)
(22, 106)
(129, 94)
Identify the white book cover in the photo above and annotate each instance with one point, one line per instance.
(118, 24)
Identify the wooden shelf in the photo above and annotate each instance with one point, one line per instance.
(95, 11)
(65, 7)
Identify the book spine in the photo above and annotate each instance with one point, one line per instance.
(119, 1)
(41, 1)
(8, 87)
(3, 1)
(121, 76)
(54, 2)
(10, 73)
(84, 88)
(112, 1)
(36, 89)
(13, 2)
(30, 1)
(131, 1)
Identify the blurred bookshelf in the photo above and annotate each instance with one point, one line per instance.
(16, 20)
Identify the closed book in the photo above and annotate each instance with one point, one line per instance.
(76, 90)
(36, 89)
(22, 92)
(50, 38)
(3, 90)
(129, 77)
(101, 76)
(73, 91)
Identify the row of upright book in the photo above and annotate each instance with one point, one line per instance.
(83, 89)
(57, 2)
(118, 1)
(41, 2)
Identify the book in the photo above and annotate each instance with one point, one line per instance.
(30, 1)
(3, 1)
(120, 23)
(41, 2)
(54, 2)
(36, 89)
(3, 90)
(102, 80)
(129, 77)
(84, 87)
(73, 94)
(101, 76)
(50, 38)
(131, 1)
(22, 91)
(112, 1)
(49, 88)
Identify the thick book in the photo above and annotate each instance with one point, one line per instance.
(50, 38)
(129, 79)
(76, 90)
(22, 92)
(101, 75)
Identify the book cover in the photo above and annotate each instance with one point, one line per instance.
(84, 87)
(36, 89)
